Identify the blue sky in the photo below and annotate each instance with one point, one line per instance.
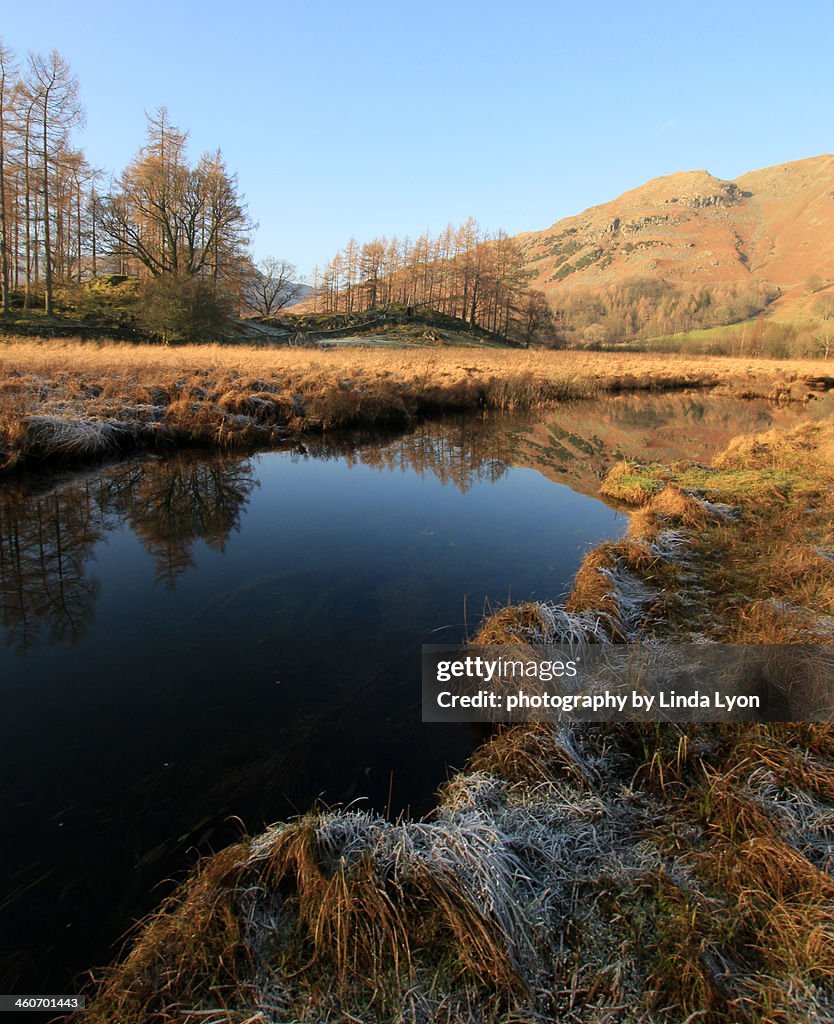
(384, 118)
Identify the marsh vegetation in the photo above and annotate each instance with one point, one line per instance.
(69, 401)
(587, 873)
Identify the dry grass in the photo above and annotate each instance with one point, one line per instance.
(632, 483)
(809, 447)
(673, 504)
(562, 877)
(191, 951)
(757, 528)
(371, 899)
(513, 624)
(621, 874)
(527, 755)
(738, 923)
(240, 395)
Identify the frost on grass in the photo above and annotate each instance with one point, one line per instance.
(632, 874)
(808, 819)
(66, 437)
(628, 599)
(550, 623)
(73, 438)
(721, 509)
(585, 873)
(563, 627)
(484, 897)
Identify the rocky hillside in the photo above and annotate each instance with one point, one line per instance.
(772, 228)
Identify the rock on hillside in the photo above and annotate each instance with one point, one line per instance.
(773, 226)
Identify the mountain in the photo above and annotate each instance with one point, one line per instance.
(773, 227)
(304, 291)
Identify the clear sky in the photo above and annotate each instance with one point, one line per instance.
(371, 118)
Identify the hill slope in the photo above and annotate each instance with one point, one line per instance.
(772, 227)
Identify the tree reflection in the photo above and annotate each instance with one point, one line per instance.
(457, 452)
(48, 536)
(47, 539)
(181, 501)
(45, 545)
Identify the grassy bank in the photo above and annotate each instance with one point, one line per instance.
(73, 400)
(585, 873)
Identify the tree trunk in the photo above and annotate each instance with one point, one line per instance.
(47, 250)
(4, 248)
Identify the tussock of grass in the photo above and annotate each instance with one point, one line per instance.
(673, 504)
(633, 483)
(531, 754)
(585, 873)
(809, 447)
(543, 622)
(370, 898)
(191, 952)
(72, 438)
(612, 583)
(562, 876)
(757, 532)
(515, 624)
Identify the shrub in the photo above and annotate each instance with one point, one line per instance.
(184, 309)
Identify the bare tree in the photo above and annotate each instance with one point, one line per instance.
(535, 318)
(824, 309)
(273, 286)
(7, 73)
(166, 218)
(55, 92)
(23, 104)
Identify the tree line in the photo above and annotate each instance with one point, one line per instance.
(484, 280)
(464, 272)
(644, 308)
(47, 187)
(181, 227)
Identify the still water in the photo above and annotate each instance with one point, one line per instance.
(200, 645)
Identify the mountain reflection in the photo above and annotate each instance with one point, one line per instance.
(48, 531)
(47, 537)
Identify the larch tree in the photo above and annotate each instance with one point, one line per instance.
(166, 218)
(54, 90)
(463, 272)
(7, 75)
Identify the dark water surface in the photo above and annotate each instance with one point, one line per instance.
(200, 644)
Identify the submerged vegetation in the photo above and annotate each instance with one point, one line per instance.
(587, 873)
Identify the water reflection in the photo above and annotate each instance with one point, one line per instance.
(46, 543)
(255, 643)
(172, 503)
(576, 444)
(47, 538)
(460, 453)
(48, 534)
